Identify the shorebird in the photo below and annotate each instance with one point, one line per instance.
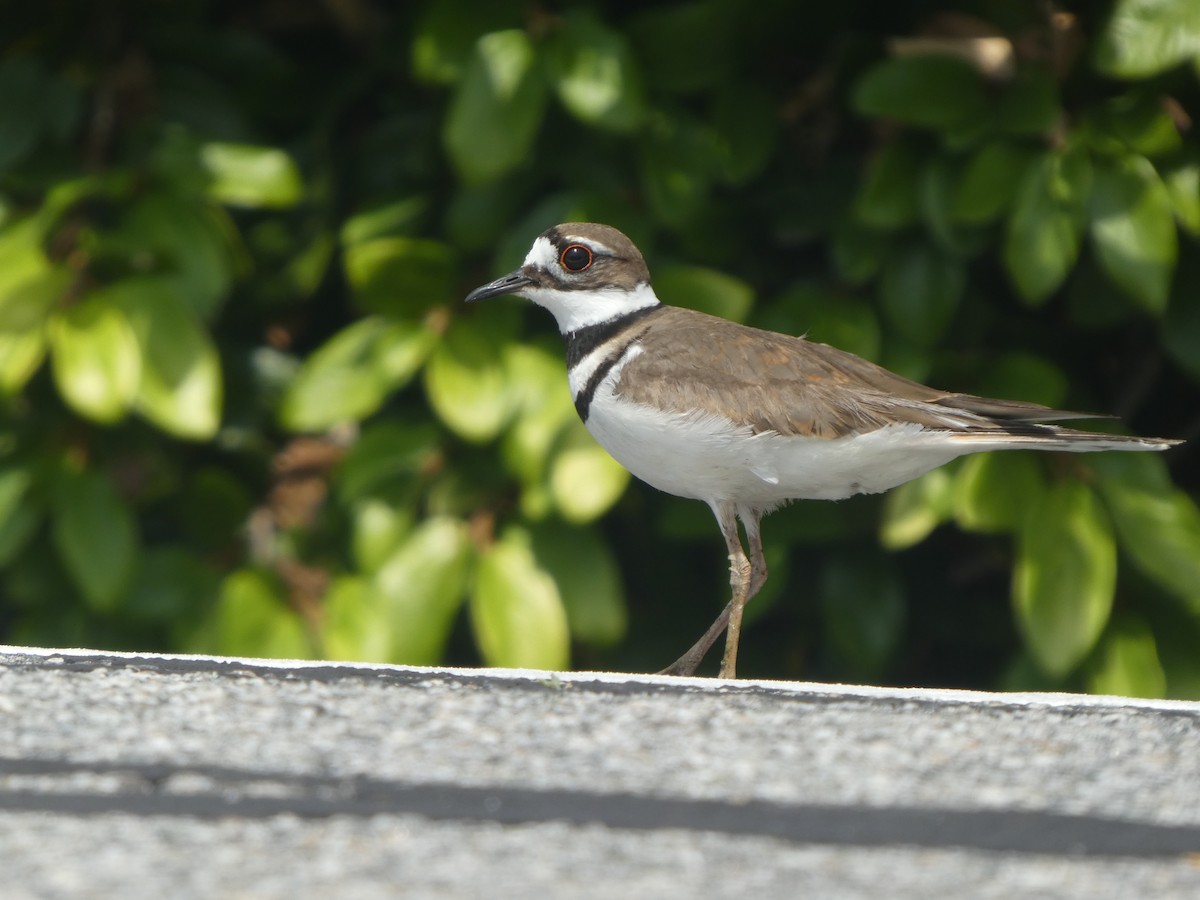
(745, 419)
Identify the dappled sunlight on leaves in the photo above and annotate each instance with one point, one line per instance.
(243, 409)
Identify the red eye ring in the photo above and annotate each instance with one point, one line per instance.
(576, 258)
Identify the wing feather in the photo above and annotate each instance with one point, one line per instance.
(772, 382)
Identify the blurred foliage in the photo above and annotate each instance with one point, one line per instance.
(245, 411)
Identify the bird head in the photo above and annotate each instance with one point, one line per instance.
(583, 273)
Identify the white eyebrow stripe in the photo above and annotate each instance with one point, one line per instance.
(594, 245)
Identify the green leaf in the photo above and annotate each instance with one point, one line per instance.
(400, 351)
(680, 157)
(993, 490)
(1127, 664)
(589, 583)
(985, 188)
(857, 251)
(404, 613)
(400, 276)
(1030, 104)
(1138, 120)
(888, 196)
(1024, 376)
(392, 219)
(446, 33)
(97, 359)
(544, 408)
(355, 625)
(847, 323)
(255, 177)
(386, 453)
(380, 526)
(96, 536)
(306, 269)
(180, 385)
(1022, 675)
(1182, 180)
(595, 74)
(1157, 525)
(863, 610)
(907, 359)
(1046, 223)
(171, 586)
(17, 530)
(27, 305)
(19, 515)
(1133, 230)
(936, 194)
(21, 354)
(585, 481)
(465, 383)
(190, 244)
(1145, 37)
(920, 290)
(336, 383)
(933, 91)
(913, 510)
(1065, 576)
(516, 610)
(481, 217)
(703, 289)
(1146, 472)
(350, 377)
(253, 619)
(23, 262)
(497, 108)
(746, 123)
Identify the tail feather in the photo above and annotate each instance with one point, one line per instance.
(1052, 437)
(1012, 410)
(1000, 424)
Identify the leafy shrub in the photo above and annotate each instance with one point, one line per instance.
(245, 411)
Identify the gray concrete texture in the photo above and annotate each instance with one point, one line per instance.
(156, 776)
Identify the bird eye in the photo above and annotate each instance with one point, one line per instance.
(576, 258)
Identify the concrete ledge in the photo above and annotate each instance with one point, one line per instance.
(192, 776)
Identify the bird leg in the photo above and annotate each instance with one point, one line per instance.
(746, 577)
(751, 521)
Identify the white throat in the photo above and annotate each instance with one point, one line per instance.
(574, 310)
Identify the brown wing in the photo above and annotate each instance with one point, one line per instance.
(772, 382)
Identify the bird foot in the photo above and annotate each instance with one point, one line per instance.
(685, 666)
(690, 661)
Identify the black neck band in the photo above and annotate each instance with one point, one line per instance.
(582, 342)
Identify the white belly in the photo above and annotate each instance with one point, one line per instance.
(708, 458)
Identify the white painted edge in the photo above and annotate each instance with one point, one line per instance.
(825, 690)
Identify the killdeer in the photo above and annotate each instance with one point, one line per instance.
(746, 419)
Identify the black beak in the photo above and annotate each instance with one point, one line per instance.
(509, 284)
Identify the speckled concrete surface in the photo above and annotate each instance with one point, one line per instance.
(192, 777)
